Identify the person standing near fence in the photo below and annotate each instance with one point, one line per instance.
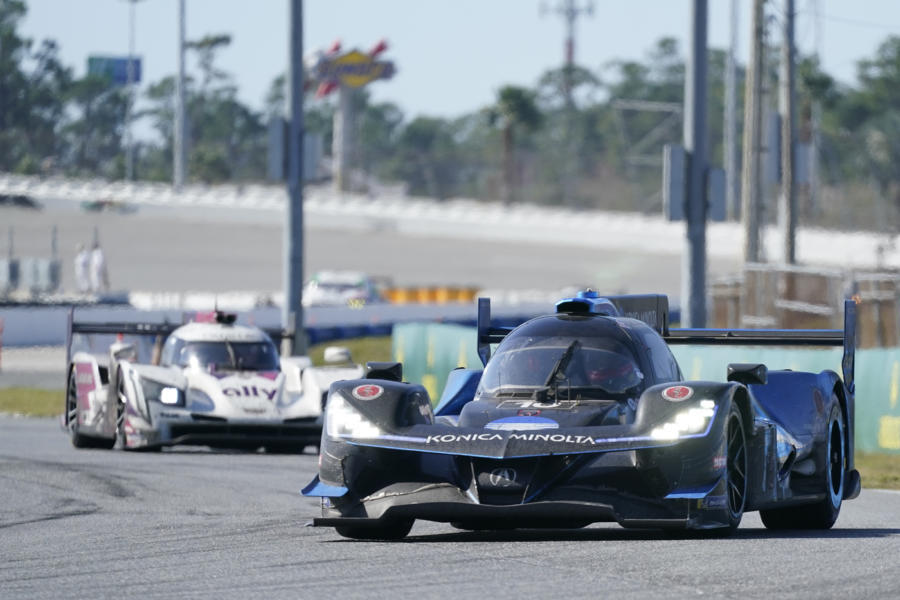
(99, 275)
(82, 265)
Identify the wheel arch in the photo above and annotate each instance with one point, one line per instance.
(741, 397)
(849, 437)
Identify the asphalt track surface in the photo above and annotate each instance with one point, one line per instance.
(201, 524)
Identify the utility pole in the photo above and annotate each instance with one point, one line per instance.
(292, 311)
(732, 195)
(750, 186)
(814, 118)
(693, 280)
(788, 205)
(178, 144)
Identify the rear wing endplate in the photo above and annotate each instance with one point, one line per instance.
(487, 335)
(782, 337)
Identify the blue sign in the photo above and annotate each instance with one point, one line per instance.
(114, 68)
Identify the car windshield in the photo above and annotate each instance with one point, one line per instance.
(340, 287)
(235, 356)
(600, 365)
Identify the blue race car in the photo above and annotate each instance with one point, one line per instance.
(583, 416)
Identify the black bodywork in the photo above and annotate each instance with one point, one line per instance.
(582, 416)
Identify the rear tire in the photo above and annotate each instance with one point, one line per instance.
(824, 513)
(393, 530)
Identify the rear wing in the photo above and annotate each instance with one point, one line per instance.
(157, 331)
(782, 337)
(654, 310)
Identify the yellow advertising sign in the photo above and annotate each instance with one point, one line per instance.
(355, 69)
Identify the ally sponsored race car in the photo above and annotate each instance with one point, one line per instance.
(583, 416)
(212, 383)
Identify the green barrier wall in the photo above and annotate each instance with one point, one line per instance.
(430, 351)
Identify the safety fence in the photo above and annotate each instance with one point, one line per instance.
(430, 351)
(809, 297)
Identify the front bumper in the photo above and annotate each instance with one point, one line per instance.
(571, 507)
(286, 436)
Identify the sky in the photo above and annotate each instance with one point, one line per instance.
(451, 55)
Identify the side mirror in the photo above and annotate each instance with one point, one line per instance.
(748, 373)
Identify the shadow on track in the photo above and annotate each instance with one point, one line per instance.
(613, 534)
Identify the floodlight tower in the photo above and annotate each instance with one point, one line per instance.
(570, 10)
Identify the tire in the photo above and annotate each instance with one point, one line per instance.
(393, 530)
(824, 513)
(121, 436)
(79, 440)
(736, 468)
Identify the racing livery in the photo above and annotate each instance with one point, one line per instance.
(583, 416)
(211, 383)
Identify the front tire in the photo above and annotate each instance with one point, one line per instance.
(393, 530)
(824, 513)
(121, 408)
(736, 468)
(80, 440)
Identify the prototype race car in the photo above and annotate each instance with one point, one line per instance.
(583, 416)
(341, 288)
(211, 383)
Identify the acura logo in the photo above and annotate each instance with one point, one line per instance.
(503, 477)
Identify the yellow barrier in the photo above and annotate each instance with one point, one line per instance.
(430, 294)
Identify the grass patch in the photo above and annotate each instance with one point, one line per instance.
(879, 470)
(32, 402)
(362, 349)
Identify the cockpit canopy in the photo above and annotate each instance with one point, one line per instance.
(220, 355)
(586, 355)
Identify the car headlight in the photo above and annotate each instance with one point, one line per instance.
(155, 391)
(687, 422)
(342, 420)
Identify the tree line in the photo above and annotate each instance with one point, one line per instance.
(580, 137)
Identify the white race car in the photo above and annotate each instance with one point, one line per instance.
(340, 288)
(212, 383)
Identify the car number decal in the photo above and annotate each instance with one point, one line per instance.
(677, 393)
(369, 391)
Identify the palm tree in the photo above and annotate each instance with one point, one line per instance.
(515, 110)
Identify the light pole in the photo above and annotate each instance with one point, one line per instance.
(179, 141)
(129, 105)
(292, 311)
(693, 284)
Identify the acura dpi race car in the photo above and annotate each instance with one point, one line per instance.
(583, 416)
(211, 383)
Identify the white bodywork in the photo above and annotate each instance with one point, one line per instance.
(339, 288)
(186, 401)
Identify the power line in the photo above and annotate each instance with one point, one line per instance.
(858, 22)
